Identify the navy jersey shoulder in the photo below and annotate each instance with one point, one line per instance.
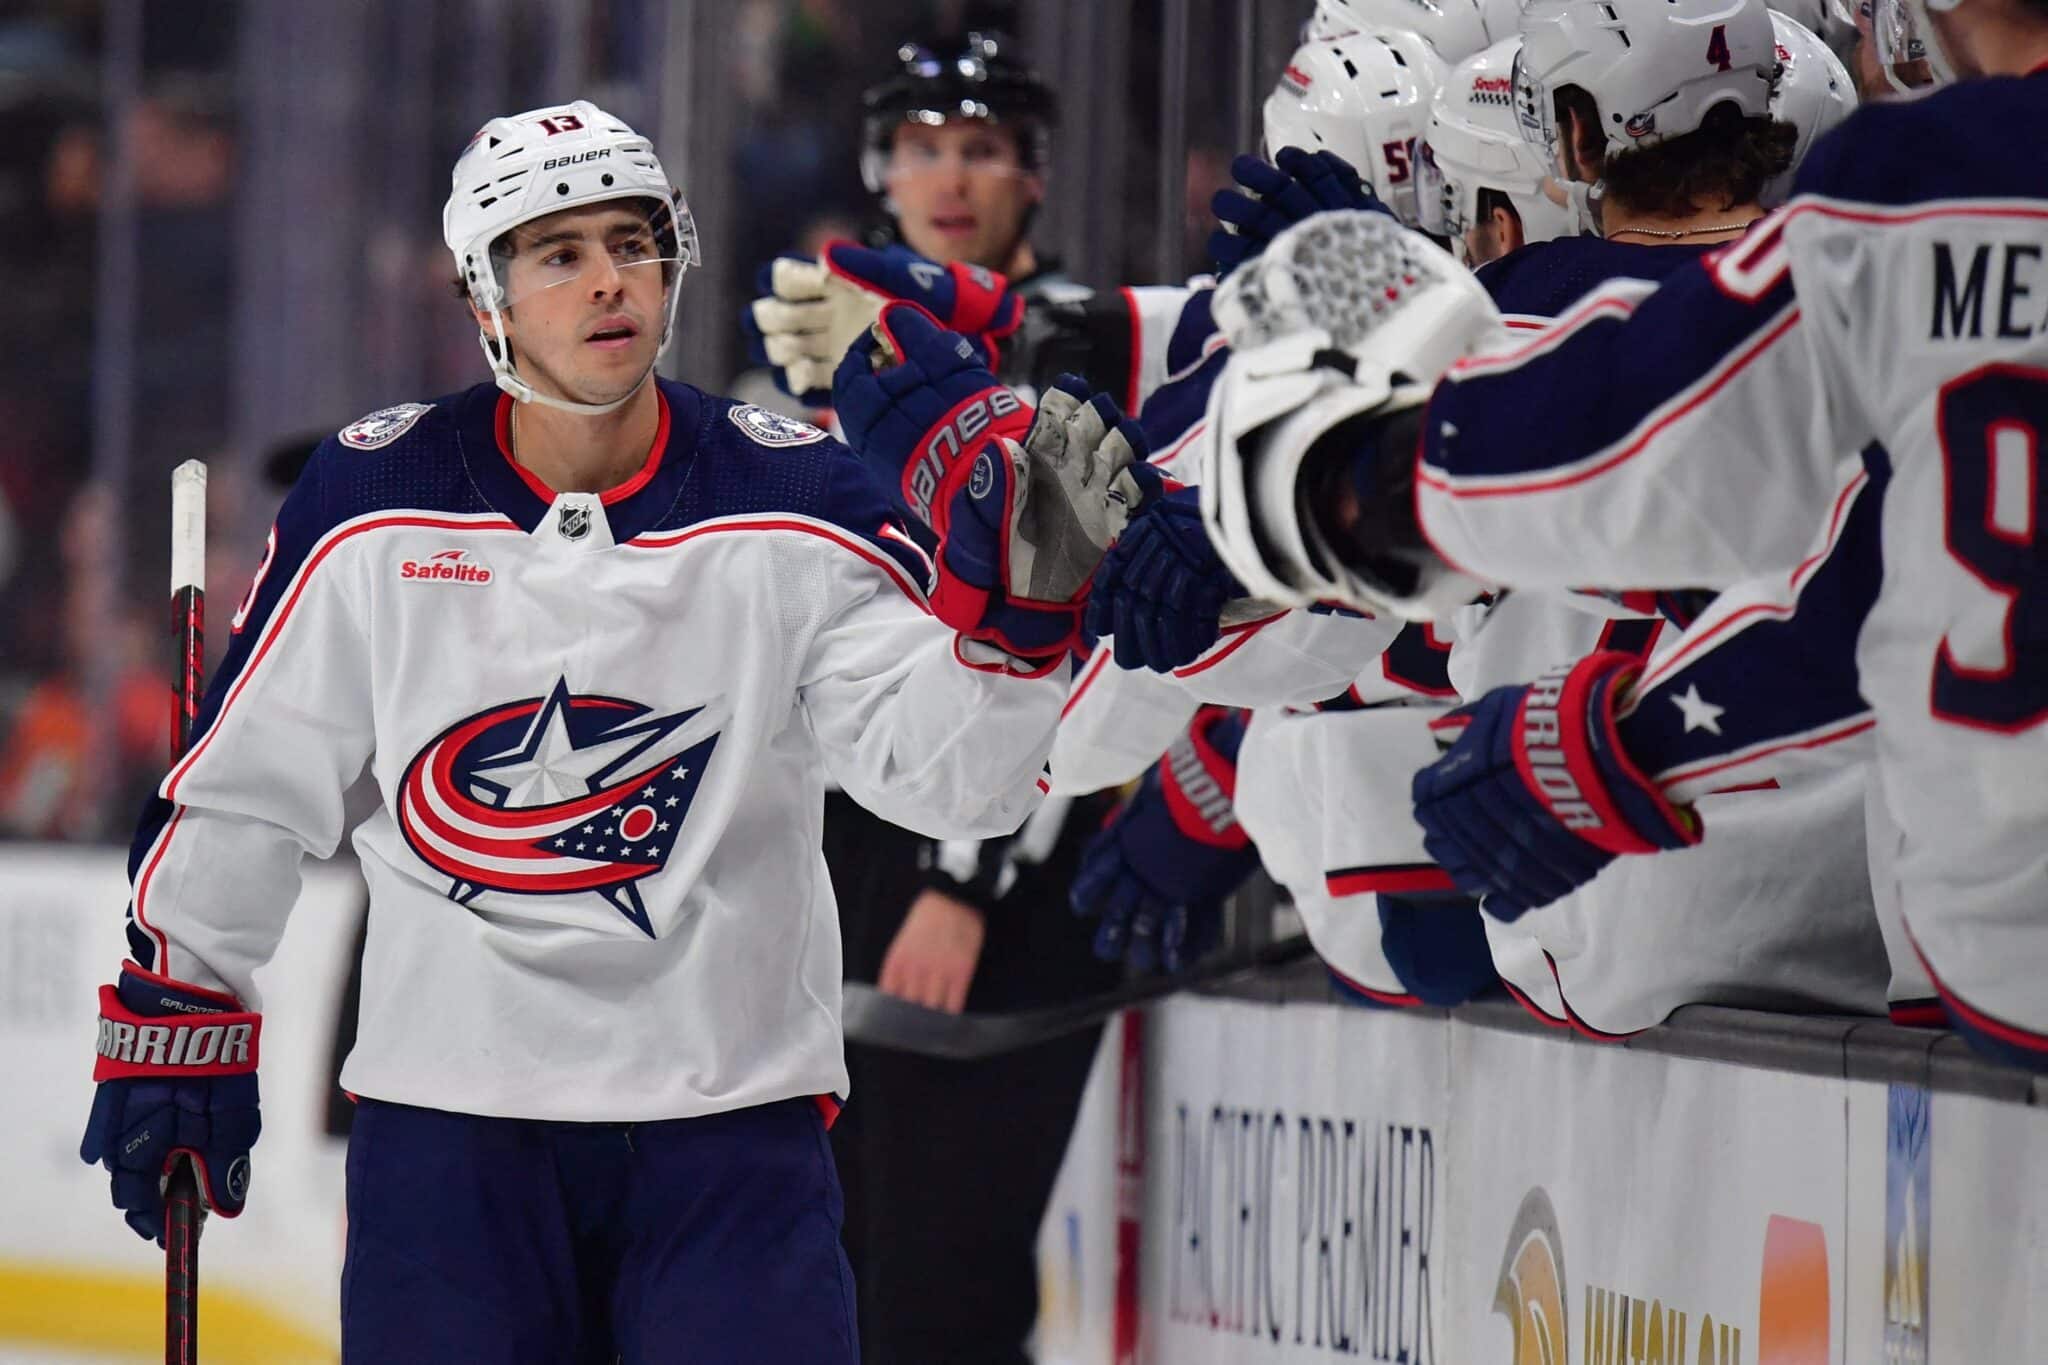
(1543, 279)
(749, 461)
(407, 457)
(1972, 140)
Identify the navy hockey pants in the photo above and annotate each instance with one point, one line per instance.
(710, 1240)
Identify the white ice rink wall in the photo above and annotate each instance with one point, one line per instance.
(1325, 1183)
(1305, 1182)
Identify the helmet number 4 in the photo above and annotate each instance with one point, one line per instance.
(1718, 56)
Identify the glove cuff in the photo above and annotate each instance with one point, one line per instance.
(1568, 753)
(1199, 782)
(154, 1026)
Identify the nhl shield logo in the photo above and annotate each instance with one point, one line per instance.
(556, 795)
(772, 428)
(575, 522)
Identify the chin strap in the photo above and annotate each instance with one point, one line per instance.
(507, 378)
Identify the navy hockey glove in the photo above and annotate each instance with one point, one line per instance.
(1159, 871)
(809, 311)
(1160, 590)
(1023, 503)
(1437, 947)
(1536, 795)
(177, 1076)
(1296, 185)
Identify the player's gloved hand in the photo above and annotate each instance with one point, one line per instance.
(1275, 196)
(811, 311)
(1536, 795)
(1159, 871)
(1023, 503)
(1437, 947)
(1160, 591)
(177, 1076)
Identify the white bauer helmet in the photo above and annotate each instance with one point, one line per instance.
(1473, 143)
(529, 165)
(1454, 28)
(1653, 67)
(1366, 98)
(1815, 93)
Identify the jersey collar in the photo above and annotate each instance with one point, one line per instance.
(632, 507)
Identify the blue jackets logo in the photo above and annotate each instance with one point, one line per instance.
(772, 428)
(554, 795)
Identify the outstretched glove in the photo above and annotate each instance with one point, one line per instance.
(1276, 196)
(1023, 504)
(1536, 795)
(1160, 590)
(810, 312)
(177, 1077)
(1159, 872)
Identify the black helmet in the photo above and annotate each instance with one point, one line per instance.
(985, 77)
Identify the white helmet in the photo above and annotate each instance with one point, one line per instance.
(1904, 36)
(1654, 67)
(540, 162)
(1814, 94)
(1366, 98)
(1474, 142)
(1455, 28)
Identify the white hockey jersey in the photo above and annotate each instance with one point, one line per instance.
(1690, 435)
(600, 728)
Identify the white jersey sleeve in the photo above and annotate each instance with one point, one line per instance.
(285, 731)
(927, 730)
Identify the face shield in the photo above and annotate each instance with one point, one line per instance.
(1906, 51)
(1437, 211)
(638, 248)
(933, 144)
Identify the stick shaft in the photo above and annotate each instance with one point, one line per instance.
(184, 1214)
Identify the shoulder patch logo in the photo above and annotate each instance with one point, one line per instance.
(772, 428)
(383, 426)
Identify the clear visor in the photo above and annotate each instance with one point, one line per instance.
(637, 249)
(1535, 114)
(1897, 31)
(968, 147)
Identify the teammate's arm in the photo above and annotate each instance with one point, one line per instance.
(1673, 436)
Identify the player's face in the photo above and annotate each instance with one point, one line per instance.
(587, 291)
(960, 191)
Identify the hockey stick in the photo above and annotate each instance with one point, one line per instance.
(184, 1214)
(884, 1021)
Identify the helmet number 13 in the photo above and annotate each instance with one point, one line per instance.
(569, 123)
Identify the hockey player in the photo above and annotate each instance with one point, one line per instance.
(1694, 433)
(596, 639)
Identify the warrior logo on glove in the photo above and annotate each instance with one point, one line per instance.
(553, 795)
